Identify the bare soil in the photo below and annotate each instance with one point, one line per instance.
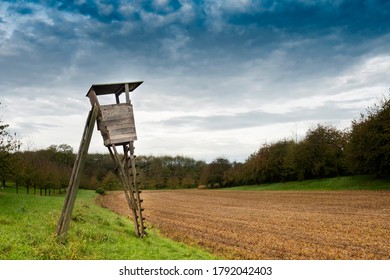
(271, 225)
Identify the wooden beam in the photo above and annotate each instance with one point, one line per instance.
(127, 93)
(74, 182)
(93, 98)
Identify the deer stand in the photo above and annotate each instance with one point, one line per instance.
(117, 126)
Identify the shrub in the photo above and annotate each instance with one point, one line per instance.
(100, 191)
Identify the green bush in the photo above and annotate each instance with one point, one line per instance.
(100, 191)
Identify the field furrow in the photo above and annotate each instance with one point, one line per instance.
(271, 225)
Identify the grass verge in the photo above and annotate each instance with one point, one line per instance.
(28, 223)
(329, 184)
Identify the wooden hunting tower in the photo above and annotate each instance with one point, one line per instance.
(117, 126)
(116, 122)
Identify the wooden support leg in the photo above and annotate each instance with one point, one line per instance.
(74, 182)
(122, 174)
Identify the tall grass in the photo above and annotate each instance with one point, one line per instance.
(28, 223)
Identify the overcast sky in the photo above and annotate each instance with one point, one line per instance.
(221, 78)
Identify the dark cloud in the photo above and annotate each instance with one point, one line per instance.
(97, 36)
(361, 18)
(22, 10)
(160, 9)
(104, 11)
(146, 29)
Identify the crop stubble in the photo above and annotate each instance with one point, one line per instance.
(271, 225)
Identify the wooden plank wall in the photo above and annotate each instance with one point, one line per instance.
(118, 119)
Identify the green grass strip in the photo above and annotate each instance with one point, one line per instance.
(327, 184)
(28, 223)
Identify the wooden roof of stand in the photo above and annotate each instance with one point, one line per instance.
(117, 88)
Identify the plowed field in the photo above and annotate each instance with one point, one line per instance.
(271, 225)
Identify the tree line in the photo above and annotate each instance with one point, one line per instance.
(48, 170)
(324, 151)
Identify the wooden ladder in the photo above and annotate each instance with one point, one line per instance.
(127, 173)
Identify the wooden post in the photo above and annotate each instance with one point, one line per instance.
(74, 182)
(127, 93)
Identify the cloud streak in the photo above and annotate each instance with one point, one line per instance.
(252, 119)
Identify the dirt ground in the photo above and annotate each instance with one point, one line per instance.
(271, 225)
